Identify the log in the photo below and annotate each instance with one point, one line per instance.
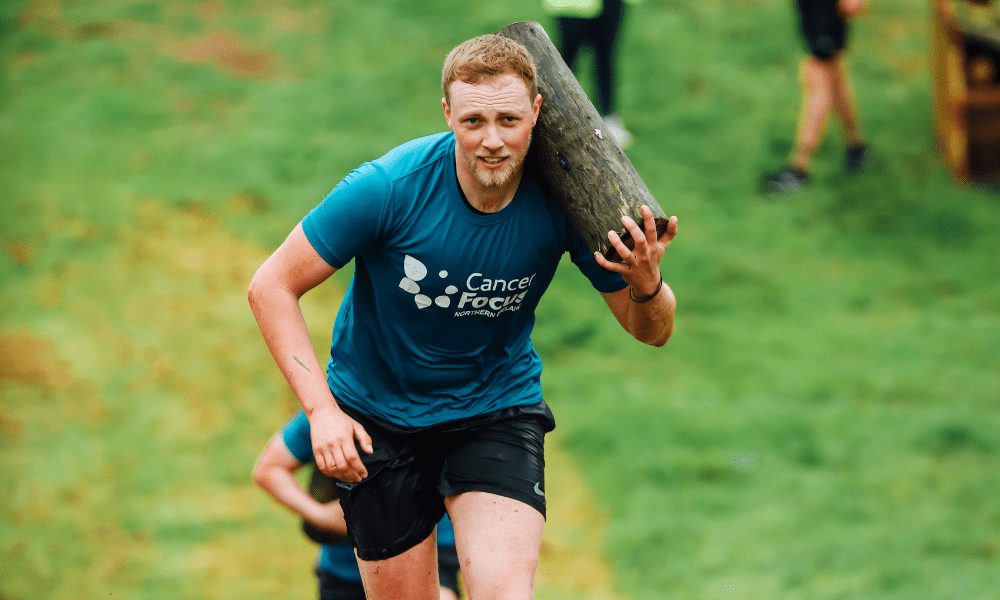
(581, 165)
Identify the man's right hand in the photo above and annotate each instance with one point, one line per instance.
(333, 437)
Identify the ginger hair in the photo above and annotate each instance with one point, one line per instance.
(486, 57)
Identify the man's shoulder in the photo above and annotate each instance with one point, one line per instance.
(417, 154)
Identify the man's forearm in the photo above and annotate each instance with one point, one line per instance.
(284, 329)
(652, 321)
(284, 488)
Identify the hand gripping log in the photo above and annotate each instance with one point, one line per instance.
(581, 165)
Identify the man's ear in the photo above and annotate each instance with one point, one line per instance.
(537, 106)
(447, 112)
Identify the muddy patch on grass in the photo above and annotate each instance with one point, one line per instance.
(48, 16)
(229, 52)
(219, 47)
(29, 358)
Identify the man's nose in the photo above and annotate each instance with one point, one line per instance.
(493, 141)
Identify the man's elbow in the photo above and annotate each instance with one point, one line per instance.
(661, 339)
(259, 476)
(258, 290)
(254, 290)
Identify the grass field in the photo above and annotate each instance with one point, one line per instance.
(824, 424)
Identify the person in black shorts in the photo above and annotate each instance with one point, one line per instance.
(431, 400)
(594, 23)
(826, 87)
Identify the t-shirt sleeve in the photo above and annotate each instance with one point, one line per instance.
(297, 439)
(603, 281)
(349, 219)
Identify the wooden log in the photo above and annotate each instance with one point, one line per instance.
(583, 167)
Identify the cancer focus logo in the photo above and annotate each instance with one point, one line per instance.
(484, 296)
(416, 271)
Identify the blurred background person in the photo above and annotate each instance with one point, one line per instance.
(826, 87)
(594, 23)
(323, 517)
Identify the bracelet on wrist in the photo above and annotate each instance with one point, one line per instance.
(650, 297)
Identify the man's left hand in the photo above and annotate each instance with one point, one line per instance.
(640, 266)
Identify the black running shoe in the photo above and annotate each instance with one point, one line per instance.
(856, 158)
(787, 180)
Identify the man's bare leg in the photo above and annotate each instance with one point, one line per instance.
(856, 157)
(412, 575)
(844, 104)
(498, 540)
(817, 77)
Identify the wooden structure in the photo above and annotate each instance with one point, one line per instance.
(583, 167)
(966, 62)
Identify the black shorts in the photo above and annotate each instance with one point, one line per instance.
(412, 470)
(334, 588)
(824, 30)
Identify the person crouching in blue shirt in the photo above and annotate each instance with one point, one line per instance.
(337, 568)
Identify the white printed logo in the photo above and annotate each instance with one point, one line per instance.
(416, 271)
(484, 296)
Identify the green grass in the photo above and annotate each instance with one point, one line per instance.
(823, 424)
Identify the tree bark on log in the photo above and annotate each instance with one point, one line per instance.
(583, 167)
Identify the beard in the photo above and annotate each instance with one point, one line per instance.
(496, 178)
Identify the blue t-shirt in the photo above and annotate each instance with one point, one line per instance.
(338, 559)
(436, 323)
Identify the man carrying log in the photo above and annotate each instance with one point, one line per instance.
(432, 399)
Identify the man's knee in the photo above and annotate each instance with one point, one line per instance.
(818, 74)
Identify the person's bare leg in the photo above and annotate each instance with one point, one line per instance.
(845, 105)
(412, 575)
(817, 78)
(498, 540)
